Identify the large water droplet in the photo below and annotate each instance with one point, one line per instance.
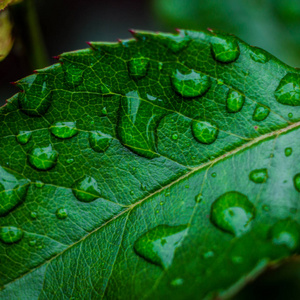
(159, 244)
(64, 130)
(138, 67)
(259, 175)
(13, 188)
(36, 98)
(234, 101)
(86, 189)
(204, 132)
(297, 182)
(260, 113)
(43, 158)
(190, 84)
(286, 232)
(10, 234)
(288, 90)
(259, 55)
(99, 141)
(24, 136)
(225, 49)
(233, 212)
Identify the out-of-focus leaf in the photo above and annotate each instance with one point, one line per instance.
(5, 3)
(6, 38)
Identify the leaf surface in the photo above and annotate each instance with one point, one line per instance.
(165, 165)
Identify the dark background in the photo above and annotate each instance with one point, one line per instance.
(67, 24)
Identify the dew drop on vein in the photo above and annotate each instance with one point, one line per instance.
(159, 244)
(234, 101)
(99, 141)
(64, 130)
(297, 182)
(43, 158)
(233, 212)
(259, 175)
(288, 151)
(138, 67)
(61, 213)
(288, 90)
(260, 113)
(23, 137)
(86, 189)
(204, 132)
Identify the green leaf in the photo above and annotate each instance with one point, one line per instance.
(5, 3)
(165, 165)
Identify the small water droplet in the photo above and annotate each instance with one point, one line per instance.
(259, 55)
(233, 212)
(43, 158)
(214, 174)
(260, 113)
(191, 84)
(24, 136)
(187, 186)
(138, 67)
(157, 211)
(208, 254)
(86, 189)
(40, 247)
(33, 215)
(204, 132)
(234, 101)
(13, 189)
(32, 243)
(175, 136)
(64, 130)
(288, 90)
(297, 182)
(286, 233)
(259, 175)
(193, 157)
(290, 115)
(225, 49)
(167, 194)
(131, 192)
(104, 111)
(266, 207)
(161, 203)
(39, 184)
(99, 141)
(199, 198)
(237, 259)
(10, 234)
(143, 187)
(288, 151)
(177, 282)
(61, 213)
(159, 244)
(69, 160)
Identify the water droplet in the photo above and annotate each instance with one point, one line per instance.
(177, 282)
(286, 232)
(104, 111)
(32, 243)
(259, 175)
(157, 211)
(214, 174)
(99, 141)
(39, 184)
(167, 194)
(208, 254)
(13, 189)
(297, 182)
(143, 187)
(10, 234)
(69, 160)
(159, 244)
(138, 67)
(61, 213)
(290, 115)
(175, 136)
(24, 136)
(233, 212)
(225, 49)
(161, 203)
(288, 151)
(43, 158)
(187, 186)
(259, 55)
(260, 113)
(86, 189)
(131, 192)
(64, 130)
(288, 90)
(204, 132)
(237, 259)
(234, 101)
(190, 84)
(199, 198)
(36, 98)
(33, 215)
(40, 247)
(266, 207)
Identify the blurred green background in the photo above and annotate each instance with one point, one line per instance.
(66, 24)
